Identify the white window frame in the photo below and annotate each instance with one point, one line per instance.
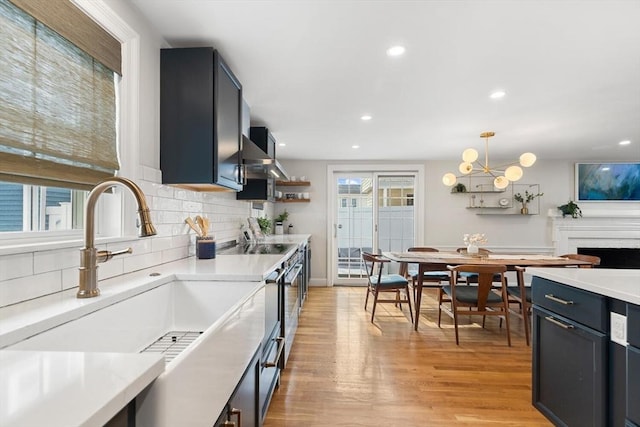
(117, 227)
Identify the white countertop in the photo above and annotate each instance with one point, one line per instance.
(620, 284)
(71, 388)
(62, 389)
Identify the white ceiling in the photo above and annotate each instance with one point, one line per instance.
(310, 69)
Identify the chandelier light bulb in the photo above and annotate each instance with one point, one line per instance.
(527, 159)
(501, 182)
(465, 168)
(513, 173)
(469, 155)
(449, 179)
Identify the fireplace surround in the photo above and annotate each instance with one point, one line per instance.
(584, 235)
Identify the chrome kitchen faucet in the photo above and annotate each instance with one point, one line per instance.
(89, 256)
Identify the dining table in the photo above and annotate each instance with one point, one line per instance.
(430, 261)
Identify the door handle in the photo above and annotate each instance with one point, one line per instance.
(273, 364)
(558, 300)
(559, 323)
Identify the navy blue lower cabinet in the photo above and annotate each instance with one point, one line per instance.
(633, 385)
(569, 370)
(242, 408)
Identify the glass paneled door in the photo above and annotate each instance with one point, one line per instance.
(373, 212)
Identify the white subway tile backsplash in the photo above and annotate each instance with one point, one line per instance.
(175, 254)
(70, 277)
(55, 260)
(159, 244)
(112, 268)
(26, 288)
(13, 266)
(165, 204)
(138, 246)
(139, 262)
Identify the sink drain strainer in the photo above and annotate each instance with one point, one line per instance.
(172, 343)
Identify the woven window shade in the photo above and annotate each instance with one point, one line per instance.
(57, 107)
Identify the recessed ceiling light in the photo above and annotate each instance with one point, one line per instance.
(606, 168)
(625, 142)
(282, 144)
(395, 50)
(355, 146)
(497, 94)
(366, 118)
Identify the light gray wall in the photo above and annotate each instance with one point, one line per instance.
(446, 219)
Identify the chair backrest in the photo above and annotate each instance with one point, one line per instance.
(482, 251)
(520, 279)
(594, 260)
(485, 279)
(370, 260)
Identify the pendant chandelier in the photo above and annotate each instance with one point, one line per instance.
(502, 174)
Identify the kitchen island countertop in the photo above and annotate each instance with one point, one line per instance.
(620, 284)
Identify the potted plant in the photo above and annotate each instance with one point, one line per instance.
(279, 222)
(265, 225)
(570, 208)
(459, 188)
(528, 197)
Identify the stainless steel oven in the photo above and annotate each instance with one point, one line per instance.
(273, 341)
(291, 307)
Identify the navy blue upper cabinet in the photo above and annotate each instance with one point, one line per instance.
(200, 119)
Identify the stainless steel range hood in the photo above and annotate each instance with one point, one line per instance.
(258, 164)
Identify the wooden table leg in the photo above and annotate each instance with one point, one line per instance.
(418, 295)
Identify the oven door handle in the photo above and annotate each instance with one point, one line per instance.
(296, 272)
(280, 341)
(277, 279)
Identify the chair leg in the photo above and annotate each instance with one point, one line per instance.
(439, 305)
(409, 302)
(366, 300)
(455, 320)
(375, 302)
(527, 322)
(506, 316)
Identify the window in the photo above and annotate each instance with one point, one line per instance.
(34, 208)
(58, 113)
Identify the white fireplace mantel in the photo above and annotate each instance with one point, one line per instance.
(620, 231)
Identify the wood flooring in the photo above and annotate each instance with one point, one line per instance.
(345, 371)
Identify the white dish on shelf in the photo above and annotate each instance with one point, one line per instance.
(504, 202)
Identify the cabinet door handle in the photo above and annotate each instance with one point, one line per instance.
(238, 413)
(231, 413)
(559, 323)
(280, 341)
(558, 300)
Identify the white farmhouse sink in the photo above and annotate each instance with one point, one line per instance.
(226, 320)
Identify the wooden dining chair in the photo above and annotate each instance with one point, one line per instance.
(481, 300)
(594, 260)
(377, 283)
(471, 277)
(521, 294)
(433, 276)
